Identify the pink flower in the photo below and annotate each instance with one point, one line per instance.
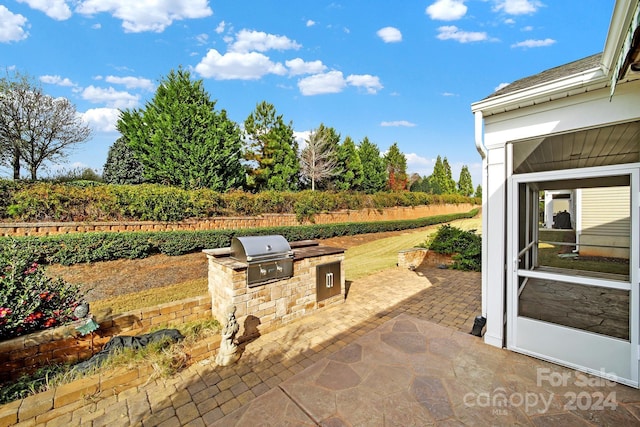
(4, 312)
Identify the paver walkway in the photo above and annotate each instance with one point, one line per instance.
(205, 392)
(440, 304)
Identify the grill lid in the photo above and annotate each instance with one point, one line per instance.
(260, 248)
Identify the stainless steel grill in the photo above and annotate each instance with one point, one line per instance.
(269, 258)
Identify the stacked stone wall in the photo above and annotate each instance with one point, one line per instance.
(228, 223)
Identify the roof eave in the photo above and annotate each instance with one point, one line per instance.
(621, 18)
(585, 81)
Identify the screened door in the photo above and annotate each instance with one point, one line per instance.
(572, 290)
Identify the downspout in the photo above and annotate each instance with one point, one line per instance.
(480, 321)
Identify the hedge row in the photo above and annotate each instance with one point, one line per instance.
(44, 201)
(68, 249)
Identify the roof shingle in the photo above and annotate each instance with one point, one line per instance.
(549, 75)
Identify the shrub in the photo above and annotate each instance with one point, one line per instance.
(464, 246)
(68, 249)
(92, 201)
(29, 299)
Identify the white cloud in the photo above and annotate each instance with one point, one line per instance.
(398, 123)
(449, 94)
(389, 34)
(311, 23)
(298, 66)
(527, 28)
(55, 9)
(56, 80)
(501, 86)
(234, 65)
(370, 83)
(111, 97)
(517, 7)
(331, 82)
(447, 10)
(301, 138)
(451, 32)
(247, 41)
(12, 26)
(418, 162)
(334, 82)
(220, 27)
(131, 82)
(202, 38)
(534, 43)
(102, 119)
(147, 15)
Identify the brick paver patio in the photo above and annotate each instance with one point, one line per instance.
(340, 347)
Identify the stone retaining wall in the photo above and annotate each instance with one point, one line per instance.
(415, 257)
(225, 223)
(58, 403)
(61, 345)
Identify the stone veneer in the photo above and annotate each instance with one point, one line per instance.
(415, 257)
(268, 306)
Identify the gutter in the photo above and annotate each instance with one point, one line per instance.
(482, 150)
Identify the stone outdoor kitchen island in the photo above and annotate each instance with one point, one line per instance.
(317, 280)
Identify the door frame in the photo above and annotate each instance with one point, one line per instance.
(569, 349)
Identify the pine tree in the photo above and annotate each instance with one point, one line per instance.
(396, 166)
(351, 166)
(272, 150)
(450, 184)
(437, 179)
(373, 170)
(182, 140)
(122, 166)
(465, 183)
(478, 192)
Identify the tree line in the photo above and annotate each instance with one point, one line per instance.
(180, 138)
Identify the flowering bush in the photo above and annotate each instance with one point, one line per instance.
(29, 299)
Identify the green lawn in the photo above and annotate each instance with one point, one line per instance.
(366, 259)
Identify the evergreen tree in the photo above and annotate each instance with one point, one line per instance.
(465, 183)
(450, 183)
(182, 140)
(272, 150)
(373, 170)
(351, 166)
(396, 166)
(122, 166)
(420, 184)
(478, 192)
(438, 178)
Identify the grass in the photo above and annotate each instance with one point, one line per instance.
(548, 255)
(360, 261)
(369, 258)
(151, 297)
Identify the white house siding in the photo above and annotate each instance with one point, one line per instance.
(581, 111)
(605, 220)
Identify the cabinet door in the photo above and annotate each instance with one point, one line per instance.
(328, 280)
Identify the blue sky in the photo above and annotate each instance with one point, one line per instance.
(394, 71)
